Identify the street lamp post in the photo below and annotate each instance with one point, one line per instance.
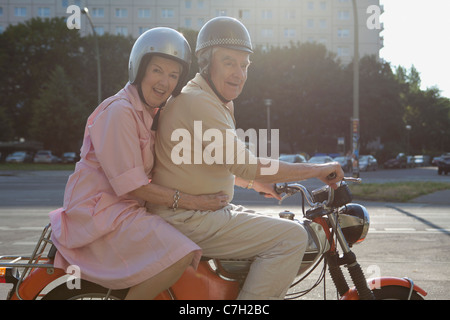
(408, 130)
(268, 104)
(99, 74)
(355, 119)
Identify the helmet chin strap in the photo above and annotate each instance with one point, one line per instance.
(208, 79)
(156, 117)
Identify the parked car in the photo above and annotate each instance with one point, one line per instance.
(70, 157)
(399, 162)
(19, 157)
(421, 161)
(46, 156)
(320, 159)
(367, 163)
(345, 163)
(443, 165)
(292, 158)
(435, 160)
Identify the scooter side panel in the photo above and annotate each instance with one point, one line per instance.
(203, 284)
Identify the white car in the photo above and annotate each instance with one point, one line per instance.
(19, 157)
(367, 163)
(46, 156)
(292, 158)
(320, 159)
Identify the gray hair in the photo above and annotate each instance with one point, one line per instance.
(204, 58)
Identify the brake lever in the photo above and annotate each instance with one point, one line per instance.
(286, 195)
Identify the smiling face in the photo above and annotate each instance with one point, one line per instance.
(160, 79)
(228, 71)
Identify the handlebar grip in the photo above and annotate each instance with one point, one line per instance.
(280, 188)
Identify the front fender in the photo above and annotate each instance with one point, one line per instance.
(380, 282)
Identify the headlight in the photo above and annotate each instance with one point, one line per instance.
(354, 221)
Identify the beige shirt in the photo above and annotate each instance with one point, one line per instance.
(197, 148)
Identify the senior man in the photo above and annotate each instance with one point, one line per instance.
(184, 162)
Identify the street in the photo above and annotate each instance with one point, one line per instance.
(405, 239)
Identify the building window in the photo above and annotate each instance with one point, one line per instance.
(121, 13)
(188, 4)
(200, 4)
(344, 15)
(141, 30)
(99, 30)
(43, 12)
(267, 33)
(343, 51)
(20, 11)
(266, 14)
(289, 33)
(323, 5)
(188, 23)
(98, 12)
(323, 23)
(244, 14)
(144, 13)
(221, 12)
(122, 31)
(310, 5)
(343, 33)
(310, 23)
(65, 3)
(167, 13)
(289, 14)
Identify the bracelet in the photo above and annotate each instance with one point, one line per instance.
(250, 184)
(176, 197)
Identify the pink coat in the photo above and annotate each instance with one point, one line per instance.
(101, 229)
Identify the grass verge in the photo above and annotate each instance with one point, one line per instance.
(395, 191)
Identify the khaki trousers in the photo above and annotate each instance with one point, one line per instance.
(276, 245)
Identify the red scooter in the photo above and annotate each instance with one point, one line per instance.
(330, 216)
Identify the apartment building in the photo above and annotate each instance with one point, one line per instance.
(270, 22)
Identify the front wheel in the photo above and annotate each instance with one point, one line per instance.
(87, 291)
(395, 293)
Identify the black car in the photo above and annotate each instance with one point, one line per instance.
(399, 162)
(443, 165)
(70, 157)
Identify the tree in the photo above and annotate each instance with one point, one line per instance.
(308, 89)
(381, 109)
(58, 115)
(28, 52)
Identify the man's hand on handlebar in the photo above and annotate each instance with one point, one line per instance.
(266, 189)
(333, 174)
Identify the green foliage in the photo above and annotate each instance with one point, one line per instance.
(58, 115)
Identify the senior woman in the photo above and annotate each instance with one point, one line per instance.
(103, 226)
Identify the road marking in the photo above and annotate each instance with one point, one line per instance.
(20, 228)
(408, 230)
(400, 229)
(24, 243)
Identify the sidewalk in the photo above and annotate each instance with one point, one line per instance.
(438, 198)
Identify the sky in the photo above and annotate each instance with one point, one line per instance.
(417, 32)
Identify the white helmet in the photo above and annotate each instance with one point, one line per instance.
(161, 41)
